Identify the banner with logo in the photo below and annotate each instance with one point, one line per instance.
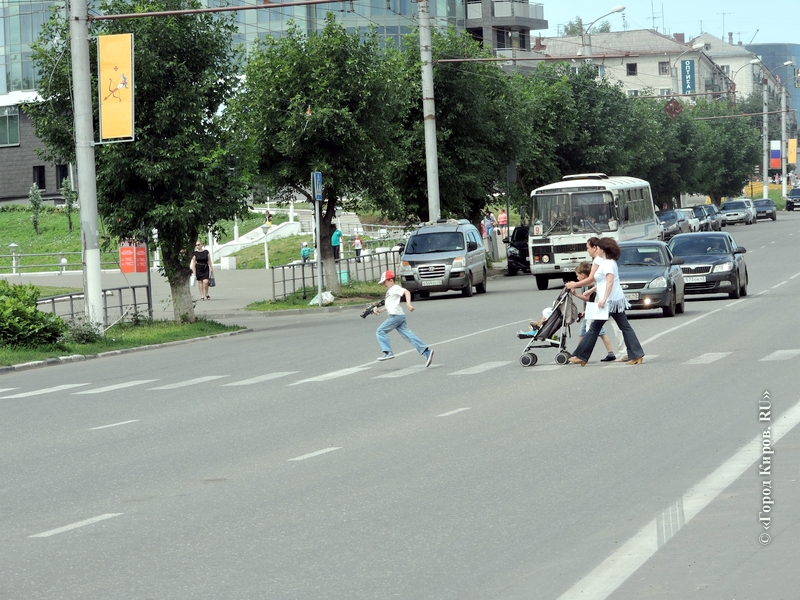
(115, 58)
(775, 154)
(792, 157)
(687, 77)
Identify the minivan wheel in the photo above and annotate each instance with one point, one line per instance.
(467, 290)
(481, 287)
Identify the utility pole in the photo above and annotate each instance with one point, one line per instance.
(84, 156)
(429, 110)
(765, 134)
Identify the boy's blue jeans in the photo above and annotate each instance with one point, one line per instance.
(398, 322)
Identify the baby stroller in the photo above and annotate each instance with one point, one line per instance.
(554, 331)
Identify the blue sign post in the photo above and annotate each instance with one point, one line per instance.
(316, 190)
(316, 185)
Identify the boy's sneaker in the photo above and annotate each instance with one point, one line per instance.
(609, 357)
(428, 354)
(386, 356)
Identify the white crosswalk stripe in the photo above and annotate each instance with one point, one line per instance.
(331, 375)
(116, 386)
(2, 390)
(188, 382)
(57, 388)
(260, 378)
(416, 369)
(482, 367)
(708, 357)
(781, 355)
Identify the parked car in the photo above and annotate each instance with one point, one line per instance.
(736, 211)
(674, 223)
(712, 263)
(715, 220)
(651, 277)
(518, 250)
(694, 222)
(792, 198)
(752, 208)
(702, 216)
(766, 209)
(444, 255)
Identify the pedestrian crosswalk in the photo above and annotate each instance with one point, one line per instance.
(372, 371)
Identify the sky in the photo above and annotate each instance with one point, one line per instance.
(770, 23)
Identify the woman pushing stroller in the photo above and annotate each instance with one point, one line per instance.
(605, 275)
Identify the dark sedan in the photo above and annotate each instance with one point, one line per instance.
(674, 223)
(713, 263)
(651, 277)
(518, 250)
(766, 209)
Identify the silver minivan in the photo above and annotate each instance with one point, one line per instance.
(442, 256)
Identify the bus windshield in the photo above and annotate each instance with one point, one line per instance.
(579, 212)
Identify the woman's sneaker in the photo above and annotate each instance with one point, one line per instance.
(386, 356)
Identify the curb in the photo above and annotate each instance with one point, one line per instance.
(62, 360)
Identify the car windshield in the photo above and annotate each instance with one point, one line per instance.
(698, 211)
(733, 206)
(427, 243)
(691, 245)
(520, 234)
(667, 215)
(763, 203)
(641, 255)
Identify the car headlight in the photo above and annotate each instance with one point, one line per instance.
(405, 268)
(459, 263)
(658, 282)
(513, 251)
(723, 267)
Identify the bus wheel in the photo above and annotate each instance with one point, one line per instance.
(542, 281)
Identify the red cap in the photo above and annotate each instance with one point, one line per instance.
(386, 275)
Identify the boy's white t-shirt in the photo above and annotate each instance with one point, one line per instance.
(393, 296)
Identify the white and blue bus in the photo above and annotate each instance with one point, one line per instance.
(565, 214)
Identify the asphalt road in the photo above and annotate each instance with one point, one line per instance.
(287, 463)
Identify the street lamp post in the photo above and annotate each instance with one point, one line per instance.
(586, 49)
(784, 138)
(755, 61)
(765, 128)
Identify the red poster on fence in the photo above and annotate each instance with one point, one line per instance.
(132, 257)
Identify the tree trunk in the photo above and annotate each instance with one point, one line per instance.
(182, 303)
(329, 267)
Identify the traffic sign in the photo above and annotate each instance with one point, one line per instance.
(316, 185)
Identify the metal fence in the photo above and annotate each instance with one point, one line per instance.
(118, 303)
(61, 262)
(296, 277)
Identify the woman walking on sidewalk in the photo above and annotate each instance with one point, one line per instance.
(202, 268)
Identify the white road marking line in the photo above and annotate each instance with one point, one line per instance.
(57, 388)
(188, 382)
(762, 292)
(708, 357)
(618, 365)
(312, 454)
(260, 378)
(795, 275)
(331, 375)
(780, 284)
(452, 412)
(115, 424)
(780, 355)
(547, 367)
(483, 367)
(614, 570)
(7, 390)
(683, 324)
(117, 386)
(76, 525)
(415, 370)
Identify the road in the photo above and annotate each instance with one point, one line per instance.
(287, 463)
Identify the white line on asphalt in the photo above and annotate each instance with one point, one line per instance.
(780, 355)
(548, 367)
(483, 367)
(708, 357)
(76, 525)
(761, 293)
(312, 454)
(795, 275)
(415, 370)
(780, 284)
(452, 412)
(648, 358)
(331, 375)
(180, 384)
(116, 424)
(614, 570)
(684, 324)
(260, 378)
(117, 386)
(58, 388)
(7, 389)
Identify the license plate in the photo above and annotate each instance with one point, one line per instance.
(695, 279)
(632, 295)
(567, 270)
(432, 282)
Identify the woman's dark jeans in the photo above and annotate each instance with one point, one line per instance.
(584, 349)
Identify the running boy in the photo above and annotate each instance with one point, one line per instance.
(397, 320)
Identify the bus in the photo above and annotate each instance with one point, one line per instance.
(565, 214)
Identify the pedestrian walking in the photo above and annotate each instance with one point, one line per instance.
(396, 319)
(357, 246)
(336, 241)
(202, 268)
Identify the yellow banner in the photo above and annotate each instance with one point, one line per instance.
(115, 55)
(792, 151)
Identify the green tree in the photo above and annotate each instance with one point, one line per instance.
(178, 175)
(35, 200)
(70, 198)
(330, 102)
(576, 27)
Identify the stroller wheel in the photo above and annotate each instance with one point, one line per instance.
(563, 357)
(528, 359)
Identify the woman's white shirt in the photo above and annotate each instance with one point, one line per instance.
(616, 300)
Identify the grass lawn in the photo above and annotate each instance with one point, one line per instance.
(46, 291)
(281, 252)
(362, 293)
(117, 338)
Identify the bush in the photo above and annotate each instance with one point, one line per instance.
(21, 323)
(80, 332)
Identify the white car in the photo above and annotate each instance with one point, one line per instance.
(694, 222)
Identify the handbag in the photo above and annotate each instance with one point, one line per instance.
(211, 282)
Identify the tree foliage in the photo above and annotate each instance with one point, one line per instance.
(576, 27)
(35, 200)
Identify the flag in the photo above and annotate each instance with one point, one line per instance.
(115, 58)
